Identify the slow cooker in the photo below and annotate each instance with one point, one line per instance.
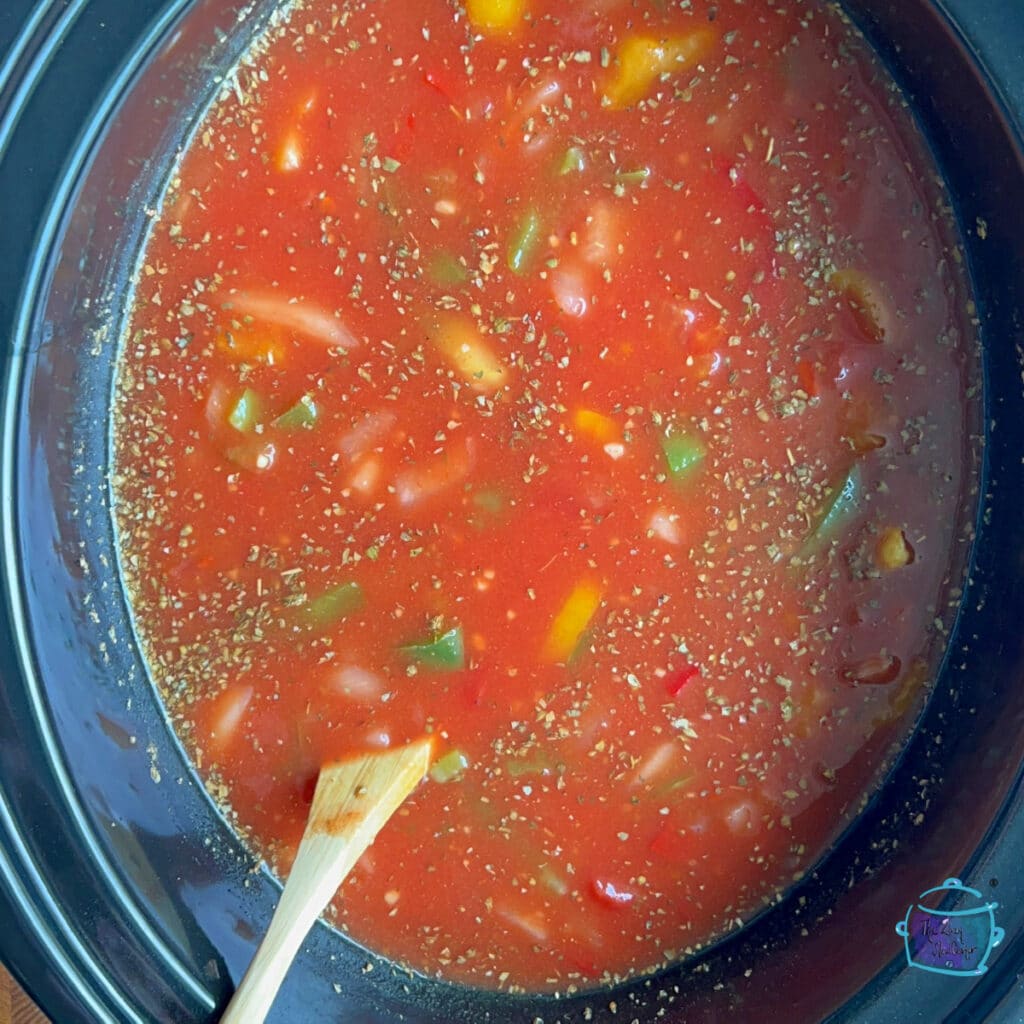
(125, 896)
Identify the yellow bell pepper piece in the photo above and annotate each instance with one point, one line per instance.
(459, 340)
(864, 298)
(571, 622)
(642, 60)
(915, 680)
(894, 551)
(596, 425)
(495, 16)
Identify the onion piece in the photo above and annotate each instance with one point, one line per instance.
(436, 474)
(665, 526)
(656, 763)
(570, 292)
(377, 739)
(355, 683)
(600, 244)
(544, 94)
(230, 708)
(369, 432)
(534, 925)
(365, 478)
(217, 406)
(305, 318)
(744, 818)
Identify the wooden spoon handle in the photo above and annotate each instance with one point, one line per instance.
(256, 993)
(352, 802)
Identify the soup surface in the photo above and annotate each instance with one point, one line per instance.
(586, 385)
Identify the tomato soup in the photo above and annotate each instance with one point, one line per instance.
(586, 385)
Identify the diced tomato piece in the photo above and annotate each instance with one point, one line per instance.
(807, 377)
(741, 205)
(473, 689)
(307, 786)
(675, 681)
(669, 844)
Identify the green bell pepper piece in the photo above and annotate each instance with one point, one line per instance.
(449, 767)
(335, 604)
(574, 161)
(446, 270)
(445, 652)
(683, 453)
(303, 414)
(246, 412)
(839, 509)
(523, 243)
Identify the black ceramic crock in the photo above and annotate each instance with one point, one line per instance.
(123, 894)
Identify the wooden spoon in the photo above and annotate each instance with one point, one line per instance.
(352, 803)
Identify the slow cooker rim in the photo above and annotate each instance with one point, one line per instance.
(25, 888)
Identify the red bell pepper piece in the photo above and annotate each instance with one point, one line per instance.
(675, 681)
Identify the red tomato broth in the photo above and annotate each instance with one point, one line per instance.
(648, 780)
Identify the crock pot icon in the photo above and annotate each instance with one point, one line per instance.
(954, 942)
